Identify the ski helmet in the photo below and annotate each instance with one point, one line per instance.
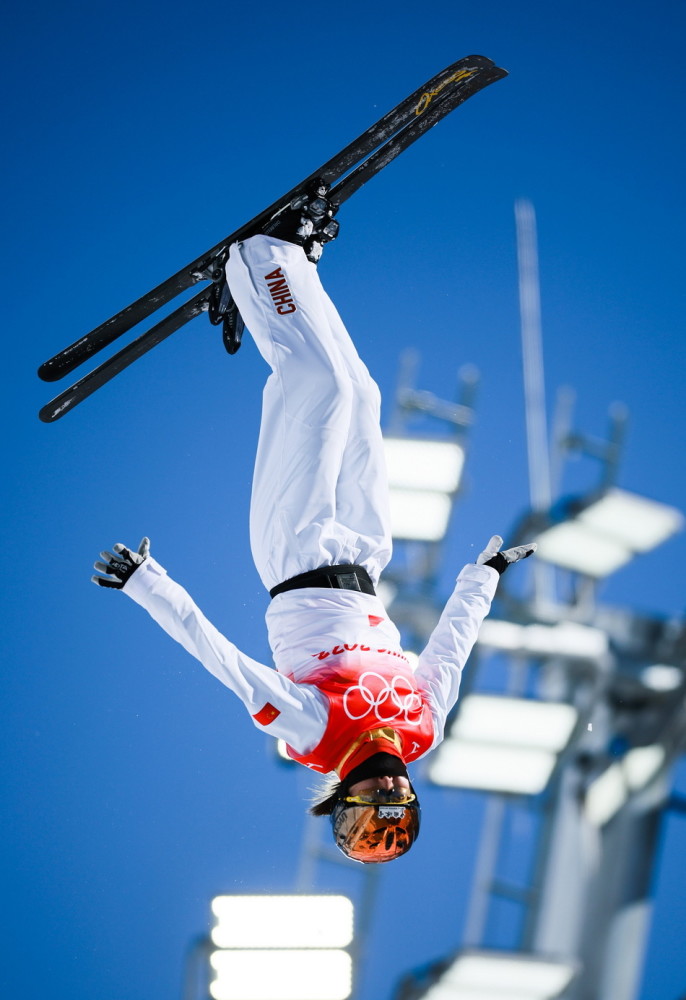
(376, 826)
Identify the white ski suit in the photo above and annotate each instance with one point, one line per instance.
(319, 498)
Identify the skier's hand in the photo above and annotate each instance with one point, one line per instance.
(118, 568)
(499, 561)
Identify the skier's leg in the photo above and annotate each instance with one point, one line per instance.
(306, 414)
(362, 496)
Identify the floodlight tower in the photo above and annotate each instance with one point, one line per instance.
(595, 867)
(587, 903)
(591, 717)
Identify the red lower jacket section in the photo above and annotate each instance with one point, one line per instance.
(366, 695)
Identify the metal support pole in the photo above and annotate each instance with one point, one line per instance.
(532, 356)
(484, 873)
(196, 969)
(534, 383)
(617, 919)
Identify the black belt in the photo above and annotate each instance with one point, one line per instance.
(343, 577)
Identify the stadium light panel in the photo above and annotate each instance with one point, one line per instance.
(541, 725)
(611, 790)
(317, 974)
(491, 768)
(506, 976)
(632, 520)
(447, 992)
(503, 744)
(662, 677)
(423, 464)
(575, 547)
(423, 476)
(282, 921)
(498, 634)
(642, 764)
(567, 639)
(603, 534)
(606, 795)
(419, 515)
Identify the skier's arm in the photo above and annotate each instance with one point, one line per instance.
(278, 706)
(441, 663)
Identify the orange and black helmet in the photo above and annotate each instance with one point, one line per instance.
(376, 826)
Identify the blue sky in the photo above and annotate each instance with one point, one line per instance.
(137, 136)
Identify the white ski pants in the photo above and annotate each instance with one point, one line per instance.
(320, 492)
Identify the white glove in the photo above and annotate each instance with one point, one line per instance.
(499, 561)
(118, 568)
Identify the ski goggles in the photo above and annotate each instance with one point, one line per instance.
(375, 832)
(379, 796)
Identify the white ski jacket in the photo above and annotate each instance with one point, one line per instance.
(305, 626)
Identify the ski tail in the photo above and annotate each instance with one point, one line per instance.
(422, 104)
(87, 385)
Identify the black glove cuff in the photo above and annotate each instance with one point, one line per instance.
(498, 562)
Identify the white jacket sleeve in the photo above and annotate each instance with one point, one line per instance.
(294, 712)
(440, 665)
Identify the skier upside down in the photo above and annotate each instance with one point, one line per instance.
(343, 695)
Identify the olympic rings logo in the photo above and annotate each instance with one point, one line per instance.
(388, 703)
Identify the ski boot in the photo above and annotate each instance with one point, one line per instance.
(307, 221)
(222, 309)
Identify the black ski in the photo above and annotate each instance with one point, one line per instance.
(87, 385)
(384, 141)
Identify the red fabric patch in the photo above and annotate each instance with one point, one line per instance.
(266, 715)
(374, 620)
